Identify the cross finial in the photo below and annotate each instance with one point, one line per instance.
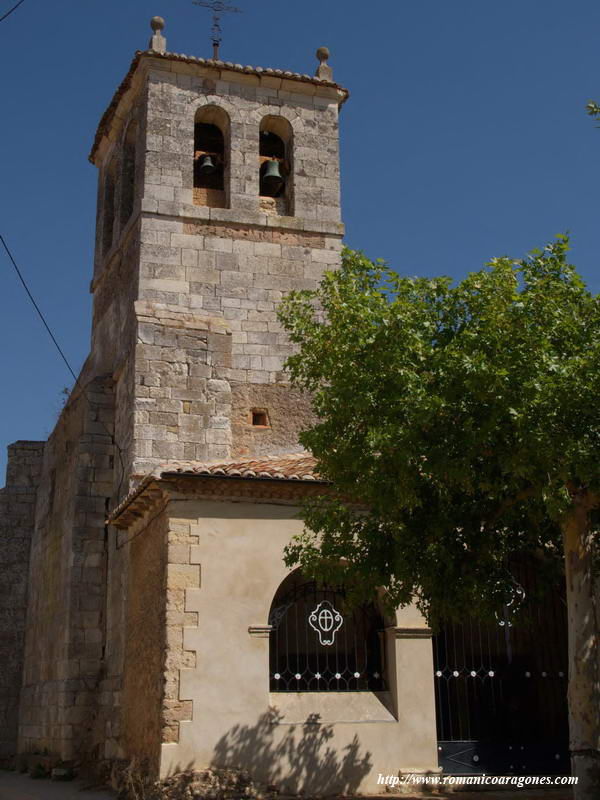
(158, 43)
(218, 7)
(324, 71)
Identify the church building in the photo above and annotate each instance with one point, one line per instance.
(161, 623)
(148, 616)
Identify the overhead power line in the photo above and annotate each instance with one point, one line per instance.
(35, 305)
(10, 11)
(62, 355)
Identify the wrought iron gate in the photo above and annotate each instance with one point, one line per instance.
(501, 688)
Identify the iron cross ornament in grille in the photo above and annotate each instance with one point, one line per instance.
(314, 647)
(326, 621)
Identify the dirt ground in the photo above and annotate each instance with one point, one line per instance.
(513, 794)
(525, 793)
(14, 786)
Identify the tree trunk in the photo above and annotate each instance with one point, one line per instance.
(584, 651)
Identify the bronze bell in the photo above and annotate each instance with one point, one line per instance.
(272, 176)
(207, 165)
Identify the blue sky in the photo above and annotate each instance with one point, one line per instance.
(465, 137)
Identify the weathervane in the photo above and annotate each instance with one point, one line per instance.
(218, 7)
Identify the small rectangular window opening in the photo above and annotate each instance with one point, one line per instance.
(260, 417)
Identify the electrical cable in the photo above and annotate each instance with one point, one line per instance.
(10, 11)
(35, 305)
(58, 347)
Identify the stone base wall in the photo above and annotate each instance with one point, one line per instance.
(66, 620)
(144, 654)
(17, 513)
(183, 575)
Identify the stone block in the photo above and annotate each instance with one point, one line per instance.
(182, 576)
(191, 241)
(217, 244)
(218, 386)
(156, 285)
(189, 258)
(167, 449)
(218, 436)
(178, 553)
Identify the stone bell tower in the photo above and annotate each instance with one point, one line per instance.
(218, 194)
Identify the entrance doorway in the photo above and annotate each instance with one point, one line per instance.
(501, 687)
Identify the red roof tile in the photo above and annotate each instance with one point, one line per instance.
(298, 466)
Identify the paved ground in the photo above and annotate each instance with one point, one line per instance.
(14, 786)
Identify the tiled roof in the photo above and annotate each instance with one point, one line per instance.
(249, 70)
(107, 118)
(299, 467)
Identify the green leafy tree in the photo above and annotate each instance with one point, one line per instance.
(460, 426)
(593, 109)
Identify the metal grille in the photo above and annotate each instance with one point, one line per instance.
(501, 687)
(316, 645)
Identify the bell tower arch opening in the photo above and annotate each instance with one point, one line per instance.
(275, 166)
(211, 173)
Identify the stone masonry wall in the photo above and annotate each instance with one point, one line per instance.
(17, 514)
(142, 696)
(115, 291)
(162, 566)
(237, 263)
(65, 633)
(183, 575)
(182, 407)
(289, 412)
(88, 624)
(231, 264)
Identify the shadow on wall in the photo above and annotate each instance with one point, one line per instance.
(301, 759)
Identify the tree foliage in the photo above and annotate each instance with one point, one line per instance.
(457, 423)
(593, 109)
